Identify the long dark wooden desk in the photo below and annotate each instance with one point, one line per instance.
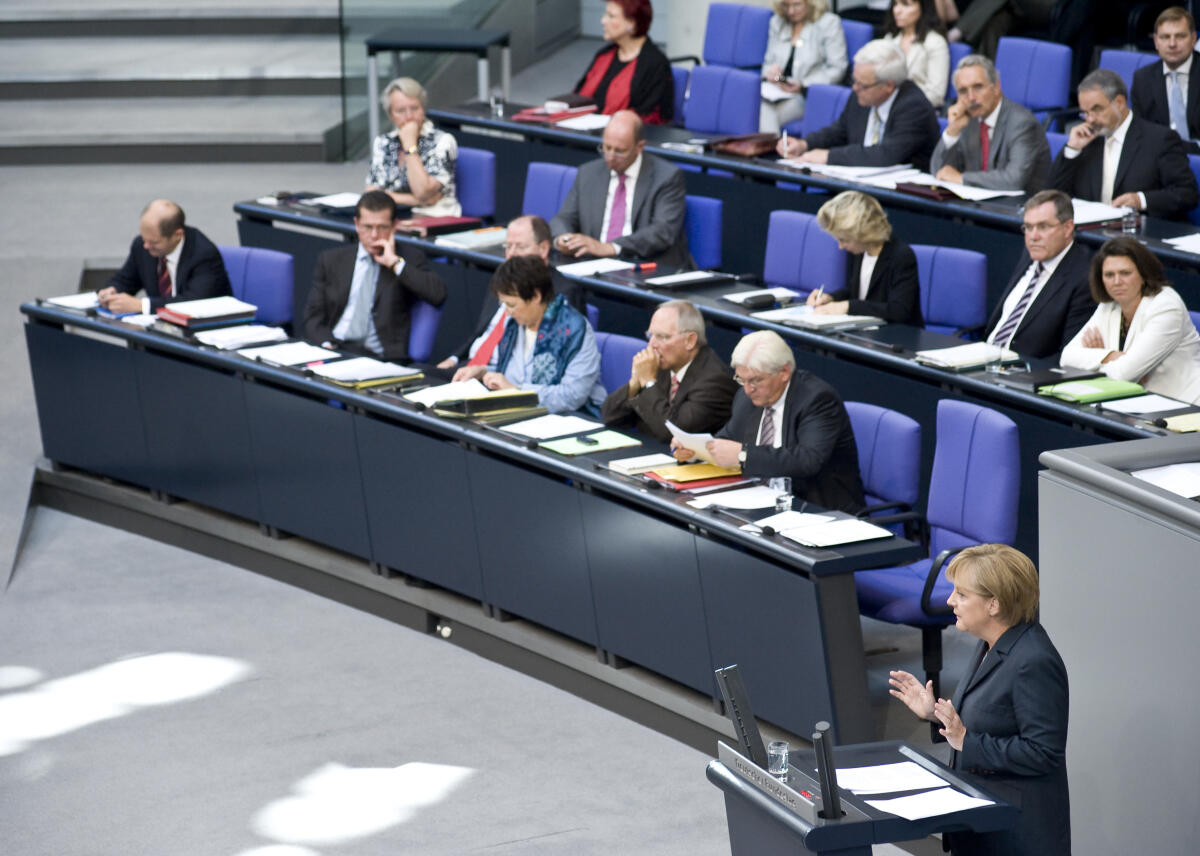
(635, 572)
(751, 188)
(877, 368)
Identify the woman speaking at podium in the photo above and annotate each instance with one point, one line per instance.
(1007, 722)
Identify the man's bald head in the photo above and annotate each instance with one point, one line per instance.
(161, 227)
(623, 141)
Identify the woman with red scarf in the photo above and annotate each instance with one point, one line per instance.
(630, 72)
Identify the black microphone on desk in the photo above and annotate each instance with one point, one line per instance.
(531, 444)
(767, 530)
(1159, 423)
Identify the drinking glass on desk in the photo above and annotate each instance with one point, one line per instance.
(1131, 221)
(497, 103)
(777, 759)
(995, 359)
(783, 493)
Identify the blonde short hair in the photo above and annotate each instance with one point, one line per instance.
(763, 351)
(405, 85)
(816, 8)
(1002, 572)
(856, 216)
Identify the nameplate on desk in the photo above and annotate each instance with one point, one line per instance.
(766, 784)
(492, 132)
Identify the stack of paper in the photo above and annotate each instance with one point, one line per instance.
(473, 239)
(364, 371)
(552, 425)
(969, 356)
(601, 441)
(586, 122)
(232, 338)
(447, 392)
(80, 302)
(1187, 243)
(845, 531)
(334, 200)
(289, 354)
(640, 463)
(591, 267)
(1088, 213)
(781, 295)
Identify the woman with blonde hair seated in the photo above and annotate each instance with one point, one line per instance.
(414, 163)
(805, 45)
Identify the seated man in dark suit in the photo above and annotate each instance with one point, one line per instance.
(888, 121)
(1119, 158)
(629, 204)
(362, 294)
(527, 235)
(676, 377)
(1017, 156)
(1168, 92)
(1048, 299)
(788, 423)
(169, 261)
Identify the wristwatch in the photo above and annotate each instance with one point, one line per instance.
(742, 457)
(411, 151)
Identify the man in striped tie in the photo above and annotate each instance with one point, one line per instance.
(788, 422)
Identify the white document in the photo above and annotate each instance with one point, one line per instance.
(773, 93)
(781, 295)
(847, 173)
(1141, 404)
(362, 368)
(965, 356)
(698, 443)
(962, 191)
(240, 336)
(928, 804)
(85, 300)
(743, 499)
(335, 200)
(835, 533)
(792, 520)
(687, 276)
(552, 425)
(1087, 212)
(888, 778)
(137, 319)
(1182, 479)
(591, 267)
(474, 238)
(211, 307)
(784, 315)
(429, 396)
(1187, 243)
(289, 354)
(641, 463)
(586, 122)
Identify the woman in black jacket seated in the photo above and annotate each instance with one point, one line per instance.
(881, 273)
(630, 72)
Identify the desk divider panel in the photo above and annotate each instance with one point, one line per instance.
(419, 509)
(306, 466)
(531, 546)
(197, 436)
(646, 587)
(94, 426)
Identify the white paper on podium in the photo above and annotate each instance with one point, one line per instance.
(888, 778)
(929, 804)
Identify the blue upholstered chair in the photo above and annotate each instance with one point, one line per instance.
(973, 492)
(800, 256)
(857, 34)
(680, 77)
(616, 356)
(475, 174)
(958, 50)
(889, 461)
(1194, 163)
(823, 104)
(262, 277)
(722, 100)
(423, 330)
(702, 222)
(1057, 141)
(546, 186)
(736, 35)
(1125, 63)
(953, 289)
(1035, 73)
(1195, 316)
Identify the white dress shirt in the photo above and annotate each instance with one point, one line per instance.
(362, 288)
(777, 414)
(1014, 297)
(1112, 157)
(882, 112)
(864, 274)
(1184, 70)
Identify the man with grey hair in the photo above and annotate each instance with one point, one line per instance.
(677, 376)
(888, 121)
(989, 140)
(1117, 158)
(788, 423)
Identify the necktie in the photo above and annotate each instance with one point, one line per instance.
(766, 434)
(674, 388)
(364, 283)
(484, 355)
(1005, 333)
(1108, 176)
(985, 144)
(877, 127)
(164, 279)
(1175, 106)
(616, 217)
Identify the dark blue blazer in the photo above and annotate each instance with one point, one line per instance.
(1014, 705)
(894, 292)
(200, 272)
(909, 135)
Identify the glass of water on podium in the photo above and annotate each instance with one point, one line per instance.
(777, 759)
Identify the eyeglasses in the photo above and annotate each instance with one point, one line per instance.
(661, 337)
(751, 382)
(858, 84)
(1039, 228)
(615, 152)
(375, 227)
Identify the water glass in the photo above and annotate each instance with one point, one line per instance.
(1131, 221)
(497, 103)
(777, 759)
(783, 494)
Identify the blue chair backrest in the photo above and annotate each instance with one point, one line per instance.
(680, 77)
(1194, 163)
(702, 223)
(546, 186)
(1125, 63)
(1195, 316)
(1034, 73)
(889, 452)
(425, 320)
(262, 277)
(823, 104)
(857, 34)
(736, 35)
(958, 50)
(976, 477)
(1056, 141)
(953, 287)
(722, 100)
(475, 174)
(801, 256)
(616, 358)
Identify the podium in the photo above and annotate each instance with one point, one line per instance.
(772, 818)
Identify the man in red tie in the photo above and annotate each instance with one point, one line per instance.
(169, 261)
(677, 376)
(989, 140)
(629, 204)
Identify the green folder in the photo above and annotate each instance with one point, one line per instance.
(605, 440)
(1092, 390)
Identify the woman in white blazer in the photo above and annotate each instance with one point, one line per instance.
(1141, 330)
(805, 45)
(914, 26)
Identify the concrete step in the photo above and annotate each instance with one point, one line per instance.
(67, 18)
